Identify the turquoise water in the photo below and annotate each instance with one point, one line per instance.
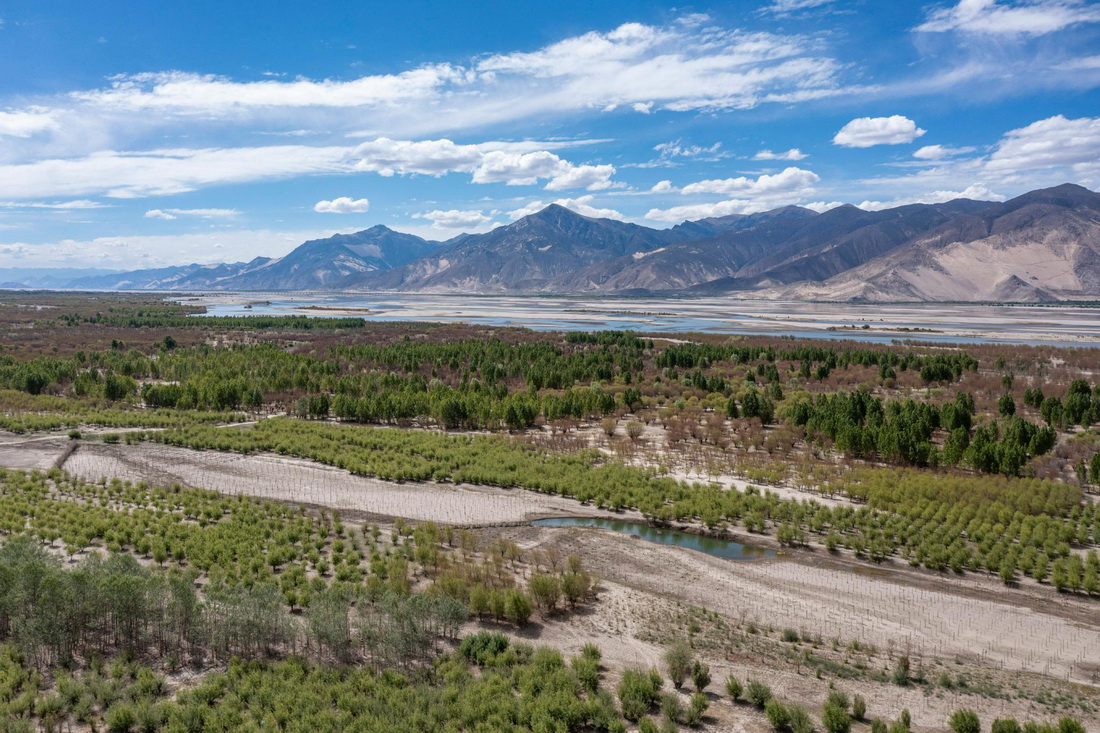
(710, 545)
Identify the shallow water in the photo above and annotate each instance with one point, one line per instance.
(710, 545)
(1067, 325)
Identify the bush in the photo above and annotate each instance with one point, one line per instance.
(700, 675)
(801, 722)
(757, 693)
(671, 708)
(835, 719)
(120, 718)
(637, 693)
(965, 720)
(1069, 725)
(693, 716)
(733, 688)
(901, 671)
(482, 647)
(1005, 725)
(838, 699)
(678, 659)
(777, 715)
(878, 726)
(859, 707)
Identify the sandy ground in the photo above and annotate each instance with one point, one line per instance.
(296, 480)
(27, 453)
(973, 619)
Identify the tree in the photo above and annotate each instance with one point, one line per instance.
(517, 606)
(634, 430)
(733, 688)
(965, 720)
(637, 693)
(678, 660)
(546, 591)
(694, 713)
(700, 675)
(1006, 406)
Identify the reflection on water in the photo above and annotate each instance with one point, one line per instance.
(876, 323)
(710, 545)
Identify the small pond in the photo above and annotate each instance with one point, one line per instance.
(710, 545)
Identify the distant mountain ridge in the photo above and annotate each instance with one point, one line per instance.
(1039, 247)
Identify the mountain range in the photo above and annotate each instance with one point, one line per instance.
(1042, 246)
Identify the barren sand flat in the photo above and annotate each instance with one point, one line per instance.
(295, 480)
(21, 452)
(934, 615)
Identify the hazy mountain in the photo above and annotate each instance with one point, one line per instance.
(313, 265)
(45, 277)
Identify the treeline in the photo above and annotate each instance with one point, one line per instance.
(113, 605)
(901, 431)
(228, 323)
(819, 360)
(488, 684)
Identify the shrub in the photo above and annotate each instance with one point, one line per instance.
(757, 693)
(1005, 725)
(637, 693)
(733, 688)
(835, 719)
(678, 659)
(801, 722)
(700, 675)
(694, 713)
(482, 647)
(859, 707)
(777, 715)
(965, 720)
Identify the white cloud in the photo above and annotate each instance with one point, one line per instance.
(793, 154)
(748, 195)
(455, 219)
(664, 187)
(514, 164)
(822, 206)
(27, 122)
(642, 107)
(978, 192)
(864, 132)
(786, 7)
(139, 252)
(939, 152)
(582, 205)
(1027, 17)
(1056, 142)
(169, 214)
(342, 205)
(162, 172)
(790, 179)
(56, 205)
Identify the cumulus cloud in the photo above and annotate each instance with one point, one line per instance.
(455, 219)
(864, 132)
(1025, 17)
(822, 206)
(1056, 142)
(940, 152)
(748, 195)
(169, 214)
(582, 205)
(27, 122)
(794, 154)
(512, 164)
(664, 187)
(978, 192)
(342, 205)
(790, 179)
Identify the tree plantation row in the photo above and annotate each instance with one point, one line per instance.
(1000, 525)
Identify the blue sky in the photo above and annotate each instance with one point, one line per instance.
(140, 135)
